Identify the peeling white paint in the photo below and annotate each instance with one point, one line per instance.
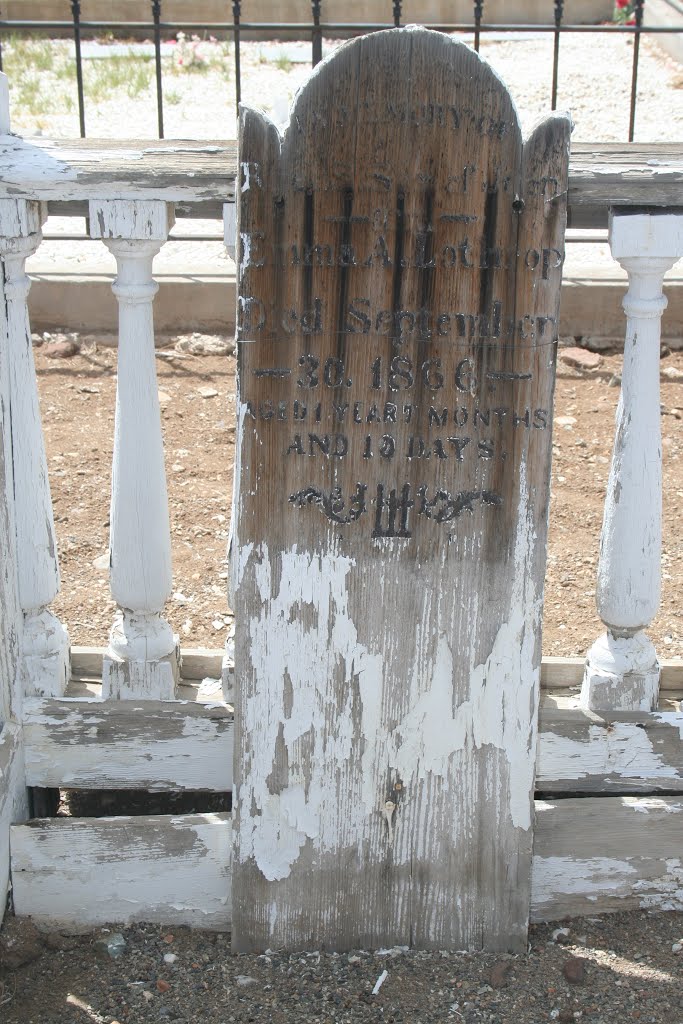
(158, 869)
(577, 876)
(648, 804)
(497, 712)
(621, 749)
(282, 645)
(245, 245)
(664, 893)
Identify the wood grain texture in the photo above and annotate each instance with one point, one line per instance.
(202, 175)
(90, 744)
(13, 798)
(607, 854)
(10, 609)
(200, 663)
(628, 752)
(591, 856)
(196, 662)
(389, 542)
(165, 869)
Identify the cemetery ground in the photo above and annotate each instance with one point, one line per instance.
(196, 395)
(611, 969)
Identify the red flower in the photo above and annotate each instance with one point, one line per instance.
(622, 3)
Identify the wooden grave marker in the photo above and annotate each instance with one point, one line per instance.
(399, 253)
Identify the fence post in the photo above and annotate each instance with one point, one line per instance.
(143, 658)
(622, 671)
(45, 645)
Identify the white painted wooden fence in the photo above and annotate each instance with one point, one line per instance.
(140, 724)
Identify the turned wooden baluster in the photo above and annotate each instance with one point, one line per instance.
(45, 643)
(622, 670)
(143, 658)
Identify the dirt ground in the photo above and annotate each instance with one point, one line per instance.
(197, 409)
(609, 969)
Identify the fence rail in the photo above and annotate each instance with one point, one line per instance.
(316, 27)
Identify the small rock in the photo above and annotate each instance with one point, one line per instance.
(561, 936)
(580, 358)
(565, 421)
(87, 390)
(677, 947)
(574, 970)
(110, 945)
(169, 939)
(615, 381)
(20, 945)
(208, 392)
(206, 345)
(162, 986)
(242, 980)
(147, 996)
(170, 958)
(60, 349)
(566, 1016)
(102, 561)
(59, 942)
(602, 343)
(498, 975)
(164, 397)
(672, 373)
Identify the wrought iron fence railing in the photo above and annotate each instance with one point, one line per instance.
(234, 28)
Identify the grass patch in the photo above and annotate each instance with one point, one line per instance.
(42, 76)
(106, 76)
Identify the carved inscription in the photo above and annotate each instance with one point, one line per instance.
(456, 411)
(399, 254)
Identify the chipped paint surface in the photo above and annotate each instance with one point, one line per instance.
(283, 646)
(387, 652)
(621, 749)
(13, 798)
(159, 869)
(304, 632)
(127, 744)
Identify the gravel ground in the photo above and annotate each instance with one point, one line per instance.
(602, 970)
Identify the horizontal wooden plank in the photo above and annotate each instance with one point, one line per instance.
(591, 856)
(82, 169)
(602, 175)
(582, 751)
(87, 743)
(567, 674)
(202, 663)
(93, 871)
(94, 744)
(606, 853)
(197, 662)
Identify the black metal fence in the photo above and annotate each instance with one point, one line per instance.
(315, 29)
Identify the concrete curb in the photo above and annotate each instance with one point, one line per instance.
(71, 301)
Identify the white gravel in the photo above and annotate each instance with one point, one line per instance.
(594, 85)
